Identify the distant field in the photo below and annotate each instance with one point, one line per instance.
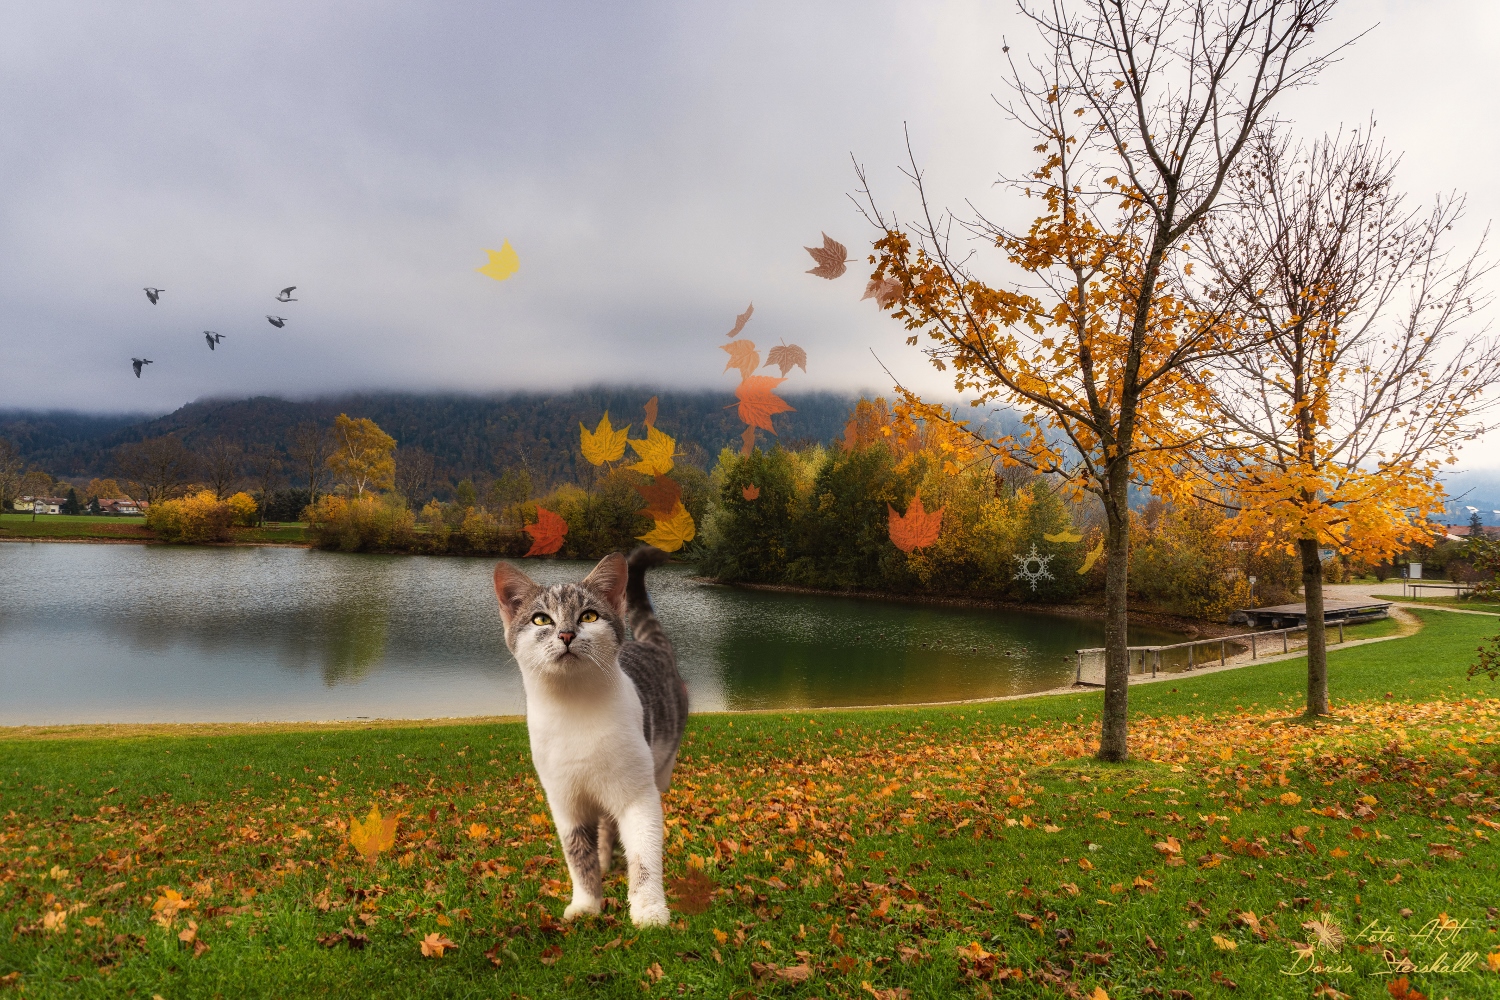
(128, 528)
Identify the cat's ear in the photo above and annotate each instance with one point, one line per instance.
(511, 587)
(608, 580)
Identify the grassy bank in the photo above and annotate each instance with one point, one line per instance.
(1472, 603)
(924, 852)
(85, 527)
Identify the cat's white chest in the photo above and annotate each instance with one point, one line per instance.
(589, 745)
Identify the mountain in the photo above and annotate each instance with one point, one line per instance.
(469, 436)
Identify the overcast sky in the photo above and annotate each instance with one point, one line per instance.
(656, 167)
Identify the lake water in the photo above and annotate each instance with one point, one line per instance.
(132, 633)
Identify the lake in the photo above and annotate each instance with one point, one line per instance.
(134, 633)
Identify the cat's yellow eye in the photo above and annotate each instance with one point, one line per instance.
(589, 616)
(540, 619)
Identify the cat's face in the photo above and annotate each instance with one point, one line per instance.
(564, 628)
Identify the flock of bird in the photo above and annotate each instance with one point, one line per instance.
(213, 339)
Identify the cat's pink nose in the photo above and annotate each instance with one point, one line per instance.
(567, 637)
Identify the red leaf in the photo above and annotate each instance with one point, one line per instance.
(916, 529)
(547, 534)
(662, 496)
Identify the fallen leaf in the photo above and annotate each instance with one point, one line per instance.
(1401, 989)
(550, 954)
(1289, 798)
(916, 529)
(741, 320)
(742, 355)
(832, 257)
(670, 534)
(604, 444)
(757, 401)
(503, 262)
(547, 533)
(434, 944)
(655, 971)
(655, 453)
(692, 894)
(885, 291)
(751, 492)
(786, 357)
(895, 993)
(374, 835)
(1225, 944)
(478, 831)
(662, 497)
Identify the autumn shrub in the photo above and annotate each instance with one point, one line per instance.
(1181, 562)
(199, 518)
(360, 524)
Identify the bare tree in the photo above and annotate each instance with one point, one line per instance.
(10, 474)
(161, 466)
(34, 484)
(1365, 367)
(415, 469)
(221, 463)
(264, 465)
(1139, 110)
(311, 446)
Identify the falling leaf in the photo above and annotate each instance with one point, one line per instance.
(693, 893)
(1326, 933)
(916, 529)
(751, 492)
(670, 534)
(503, 262)
(1067, 535)
(651, 412)
(1093, 557)
(604, 444)
(786, 357)
(547, 533)
(741, 320)
(662, 497)
(742, 355)
(758, 403)
(747, 442)
(831, 258)
(885, 291)
(434, 944)
(1225, 944)
(655, 453)
(374, 835)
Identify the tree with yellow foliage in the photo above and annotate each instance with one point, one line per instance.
(1140, 110)
(364, 456)
(1364, 368)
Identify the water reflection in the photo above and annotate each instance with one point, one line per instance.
(135, 633)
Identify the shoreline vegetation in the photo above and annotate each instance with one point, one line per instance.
(914, 852)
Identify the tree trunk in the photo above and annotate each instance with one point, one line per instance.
(1317, 635)
(1113, 724)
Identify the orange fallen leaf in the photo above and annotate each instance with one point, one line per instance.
(786, 357)
(374, 835)
(434, 944)
(547, 533)
(832, 257)
(691, 894)
(1401, 989)
(742, 355)
(741, 320)
(916, 529)
(751, 492)
(757, 401)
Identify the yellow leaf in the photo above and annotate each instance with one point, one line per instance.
(1098, 994)
(1225, 944)
(1093, 557)
(655, 453)
(671, 534)
(503, 262)
(1289, 798)
(478, 831)
(373, 835)
(605, 444)
(1067, 535)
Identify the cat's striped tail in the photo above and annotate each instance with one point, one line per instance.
(643, 624)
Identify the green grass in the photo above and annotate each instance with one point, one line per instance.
(1474, 603)
(870, 846)
(84, 526)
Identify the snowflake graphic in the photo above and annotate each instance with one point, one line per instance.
(1033, 567)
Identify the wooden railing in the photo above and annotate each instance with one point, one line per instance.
(1153, 653)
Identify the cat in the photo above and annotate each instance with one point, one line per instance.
(605, 715)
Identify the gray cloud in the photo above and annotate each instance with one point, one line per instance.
(655, 166)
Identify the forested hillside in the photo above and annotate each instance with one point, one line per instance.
(468, 436)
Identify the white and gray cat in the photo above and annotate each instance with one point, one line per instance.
(605, 715)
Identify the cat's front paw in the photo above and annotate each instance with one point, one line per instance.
(580, 908)
(654, 914)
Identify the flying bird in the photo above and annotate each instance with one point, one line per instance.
(214, 339)
(276, 321)
(153, 294)
(137, 363)
(286, 294)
